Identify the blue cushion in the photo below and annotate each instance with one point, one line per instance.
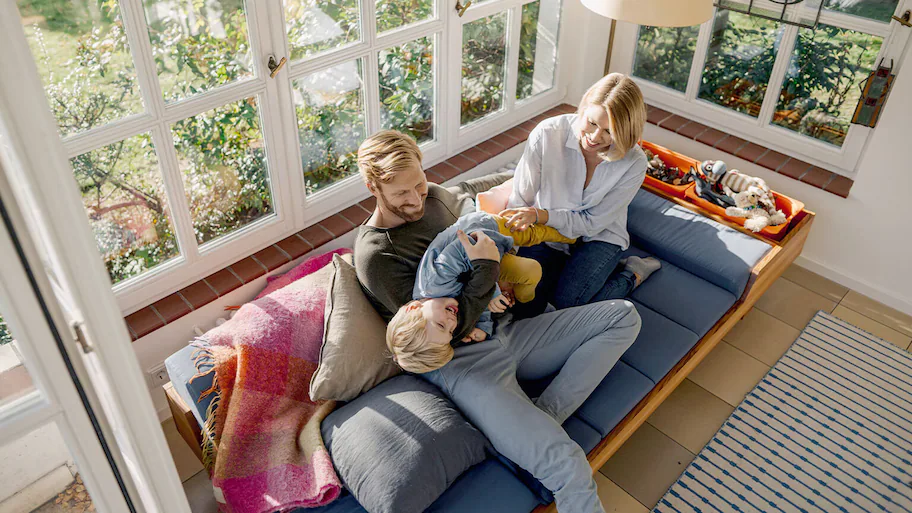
(181, 369)
(718, 254)
(684, 298)
(486, 488)
(582, 433)
(618, 393)
(346, 503)
(398, 446)
(659, 346)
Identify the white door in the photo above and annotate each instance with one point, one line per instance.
(504, 55)
(51, 435)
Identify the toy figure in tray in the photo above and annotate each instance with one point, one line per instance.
(716, 184)
(656, 168)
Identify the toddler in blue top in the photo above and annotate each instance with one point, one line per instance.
(420, 333)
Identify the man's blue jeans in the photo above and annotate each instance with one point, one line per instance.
(587, 275)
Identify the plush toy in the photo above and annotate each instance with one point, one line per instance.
(704, 188)
(747, 205)
(734, 181)
(658, 169)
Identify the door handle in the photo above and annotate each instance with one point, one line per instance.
(274, 67)
(461, 9)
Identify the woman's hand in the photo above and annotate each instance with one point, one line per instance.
(476, 335)
(484, 248)
(518, 219)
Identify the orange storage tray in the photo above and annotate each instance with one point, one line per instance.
(789, 206)
(671, 158)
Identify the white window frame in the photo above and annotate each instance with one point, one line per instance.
(842, 160)
(293, 209)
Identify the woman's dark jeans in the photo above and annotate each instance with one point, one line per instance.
(586, 275)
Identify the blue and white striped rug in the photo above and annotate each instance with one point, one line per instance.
(829, 429)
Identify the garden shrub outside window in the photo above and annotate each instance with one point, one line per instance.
(769, 81)
(179, 140)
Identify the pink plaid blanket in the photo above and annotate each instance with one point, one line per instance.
(262, 442)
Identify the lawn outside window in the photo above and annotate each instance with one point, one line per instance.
(188, 156)
(784, 87)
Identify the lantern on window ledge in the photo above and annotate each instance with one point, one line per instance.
(656, 13)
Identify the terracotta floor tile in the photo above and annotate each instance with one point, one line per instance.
(315, 235)
(728, 373)
(615, 499)
(873, 327)
(198, 294)
(815, 283)
(337, 225)
(294, 246)
(271, 257)
(879, 312)
(792, 303)
(172, 307)
(762, 336)
(691, 416)
(647, 464)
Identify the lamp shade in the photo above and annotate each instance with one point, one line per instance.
(657, 13)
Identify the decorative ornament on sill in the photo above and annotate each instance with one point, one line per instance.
(874, 92)
(800, 13)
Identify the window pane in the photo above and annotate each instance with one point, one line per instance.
(315, 26)
(537, 47)
(198, 45)
(15, 381)
(664, 55)
(407, 88)
(393, 14)
(330, 110)
(880, 10)
(124, 198)
(223, 161)
(484, 53)
(739, 61)
(82, 55)
(820, 90)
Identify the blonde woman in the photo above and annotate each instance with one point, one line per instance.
(578, 174)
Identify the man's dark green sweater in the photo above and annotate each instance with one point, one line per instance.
(386, 259)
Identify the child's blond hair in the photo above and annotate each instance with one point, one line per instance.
(623, 100)
(384, 154)
(406, 339)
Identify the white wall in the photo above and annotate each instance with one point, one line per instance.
(863, 242)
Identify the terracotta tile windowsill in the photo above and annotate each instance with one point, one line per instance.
(167, 310)
(762, 156)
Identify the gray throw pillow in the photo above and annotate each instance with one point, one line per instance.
(399, 446)
(354, 357)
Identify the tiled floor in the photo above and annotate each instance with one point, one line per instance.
(643, 469)
(637, 476)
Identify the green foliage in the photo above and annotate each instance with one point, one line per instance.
(84, 59)
(740, 60)
(484, 53)
(820, 90)
(5, 336)
(665, 55)
(528, 42)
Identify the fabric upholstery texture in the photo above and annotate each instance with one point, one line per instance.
(401, 445)
(354, 357)
(707, 249)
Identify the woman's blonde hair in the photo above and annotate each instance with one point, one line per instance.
(384, 154)
(623, 100)
(406, 339)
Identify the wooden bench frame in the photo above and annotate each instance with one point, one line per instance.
(767, 270)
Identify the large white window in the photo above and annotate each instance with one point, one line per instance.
(190, 152)
(789, 88)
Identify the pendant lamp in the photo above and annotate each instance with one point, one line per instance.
(657, 13)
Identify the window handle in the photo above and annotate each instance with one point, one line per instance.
(905, 18)
(461, 9)
(274, 67)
